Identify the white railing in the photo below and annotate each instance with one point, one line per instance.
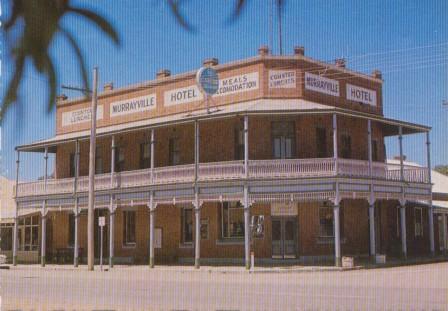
(258, 169)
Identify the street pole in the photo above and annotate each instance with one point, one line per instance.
(90, 215)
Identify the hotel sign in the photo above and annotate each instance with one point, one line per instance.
(139, 104)
(321, 84)
(360, 94)
(284, 209)
(238, 84)
(183, 95)
(80, 116)
(282, 79)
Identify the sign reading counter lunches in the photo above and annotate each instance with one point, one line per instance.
(133, 105)
(321, 84)
(360, 94)
(80, 116)
(282, 79)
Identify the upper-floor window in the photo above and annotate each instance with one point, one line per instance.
(283, 140)
(129, 228)
(232, 220)
(321, 142)
(145, 155)
(99, 164)
(72, 165)
(187, 225)
(346, 146)
(174, 151)
(239, 142)
(119, 159)
(418, 221)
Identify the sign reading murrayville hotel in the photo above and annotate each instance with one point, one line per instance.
(133, 105)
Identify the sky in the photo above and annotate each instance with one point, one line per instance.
(406, 40)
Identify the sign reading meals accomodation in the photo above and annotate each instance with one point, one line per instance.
(282, 79)
(321, 84)
(360, 94)
(133, 105)
(183, 95)
(238, 84)
(80, 116)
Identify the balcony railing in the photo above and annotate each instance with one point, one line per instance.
(257, 169)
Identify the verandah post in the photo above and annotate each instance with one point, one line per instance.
(16, 214)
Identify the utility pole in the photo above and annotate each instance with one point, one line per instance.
(90, 213)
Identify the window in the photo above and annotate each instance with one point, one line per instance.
(119, 159)
(29, 233)
(321, 142)
(283, 140)
(174, 151)
(129, 228)
(346, 146)
(398, 222)
(374, 150)
(99, 165)
(239, 143)
(71, 229)
(6, 237)
(418, 221)
(72, 165)
(326, 221)
(204, 229)
(145, 155)
(187, 225)
(232, 220)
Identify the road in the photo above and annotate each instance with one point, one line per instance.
(421, 287)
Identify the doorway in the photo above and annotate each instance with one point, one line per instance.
(284, 237)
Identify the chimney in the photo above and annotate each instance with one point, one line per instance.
(377, 74)
(208, 62)
(163, 73)
(340, 62)
(61, 97)
(398, 158)
(263, 50)
(109, 86)
(299, 50)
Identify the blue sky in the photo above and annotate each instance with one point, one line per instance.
(407, 40)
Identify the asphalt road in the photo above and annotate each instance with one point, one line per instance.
(422, 287)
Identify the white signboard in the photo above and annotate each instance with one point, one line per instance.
(158, 238)
(80, 116)
(133, 105)
(101, 221)
(284, 209)
(360, 94)
(282, 79)
(183, 95)
(321, 84)
(238, 84)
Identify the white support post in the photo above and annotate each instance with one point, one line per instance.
(197, 207)
(44, 213)
(246, 146)
(111, 205)
(76, 209)
(372, 195)
(369, 145)
(16, 215)
(152, 212)
(430, 209)
(152, 155)
(246, 228)
(404, 248)
(337, 235)
(335, 143)
(400, 142)
(372, 229)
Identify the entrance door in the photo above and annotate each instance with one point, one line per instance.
(284, 237)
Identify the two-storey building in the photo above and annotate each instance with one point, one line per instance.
(288, 141)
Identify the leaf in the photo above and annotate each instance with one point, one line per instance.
(174, 6)
(51, 73)
(13, 86)
(103, 24)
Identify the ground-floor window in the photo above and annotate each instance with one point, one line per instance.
(418, 221)
(6, 231)
(28, 233)
(232, 220)
(129, 228)
(71, 229)
(187, 225)
(326, 221)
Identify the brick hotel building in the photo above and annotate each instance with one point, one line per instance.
(295, 140)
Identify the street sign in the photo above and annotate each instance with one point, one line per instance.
(207, 80)
(101, 221)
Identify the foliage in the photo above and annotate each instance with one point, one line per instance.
(442, 169)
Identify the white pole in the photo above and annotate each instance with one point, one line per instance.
(111, 205)
(16, 215)
(44, 214)
(246, 228)
(371, 201)
(76, 211)
(101, 249)
(337, 236)
(197, 209)
(151, 207)
(430, 209)
(335, 143)
(90, 215)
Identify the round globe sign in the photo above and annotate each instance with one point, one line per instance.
(207, 79)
